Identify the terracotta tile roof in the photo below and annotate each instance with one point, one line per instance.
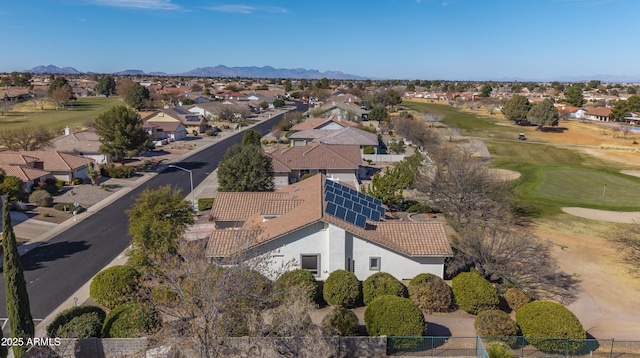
(80, 142)
(599, 111)
(278, 207)
(348, 135)
(234, 206)
(11, 157)
(56, 161)
(316, 156)
(567, 109)
(408, 238)
(23, 173)
(317, 123)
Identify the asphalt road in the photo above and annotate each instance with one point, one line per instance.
(57, 269)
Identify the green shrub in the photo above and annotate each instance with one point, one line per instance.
(495, 323)
(77, 322)
(68, 207)
(499, 350)
(114, 285)
(123, 171)
(379, 284)
(516, 298)
(60, 183)
(274, 141)
(341, 288)
(542, 319)
(473, 293)
(210, 132)
(264, 141)
(394, 316)
(430, 293)
(340, 322)
(77, 181)
(369, 150)
(300, 278)
(205, 203)
(41, 198)
(130, 320)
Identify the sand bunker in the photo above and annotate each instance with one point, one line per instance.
(635, 173)
(604, 215)
(506, 174)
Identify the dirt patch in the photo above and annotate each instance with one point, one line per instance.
(635, 173)
(608, 303)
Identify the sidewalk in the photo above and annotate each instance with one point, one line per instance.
(206, 189)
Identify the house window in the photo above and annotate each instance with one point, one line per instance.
(374, 263)
(311, 262)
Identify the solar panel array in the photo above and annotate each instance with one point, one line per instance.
(351, 205)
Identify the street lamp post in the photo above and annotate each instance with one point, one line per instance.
(193, 194)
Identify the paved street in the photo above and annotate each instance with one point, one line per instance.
(56, 269)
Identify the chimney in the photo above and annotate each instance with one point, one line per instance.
(67, 130)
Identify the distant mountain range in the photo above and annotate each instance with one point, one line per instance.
(271, 72)
(218, 71)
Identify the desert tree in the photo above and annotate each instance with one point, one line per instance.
(120, 132)
(123, 86)
(245, 168)
(251, 137)
(543, 114)
(26, 138)
(513, 256)
(156, 221)
(106, 86)
(463, 187)
(61, 95)
(516, 109)
(626, 239)
(416, 131)
(40, 98)
(137, 96)
(573, 96)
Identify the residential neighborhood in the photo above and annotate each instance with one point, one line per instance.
(360, 185)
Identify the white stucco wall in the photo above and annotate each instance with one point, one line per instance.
(338, 249)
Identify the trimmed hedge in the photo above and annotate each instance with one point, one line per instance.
(380, 284)
(545, 319)
(77, 322)
(499, 350)
(41, 198)
(430, 293)
(205, 203)
(340, 322)
(299, 278)
(130, 320)
(516, 298)
(473, 293)
(394, 316)
(495, 323)
(341, 288)
(68, 207)
(369, 150)
(114, 285)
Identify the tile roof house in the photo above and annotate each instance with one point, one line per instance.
(598, 114)
(330, 123)
(349, 135)
(35, 166)
(84, 143)
(346, 110)
(169, 130)
(338, 161)
(299, 224)
(191, 121)
(570, 111)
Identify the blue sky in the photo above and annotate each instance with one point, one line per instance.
(405, 39)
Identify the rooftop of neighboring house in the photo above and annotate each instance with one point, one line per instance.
(167, 127)
(10, 157)
(275, 214)
(599, 111)
(57, 161)
(180, 114)
(23, 173)
(348, 135)
(566, 108)
(352, 107)
(86, 141)
(318, 123)
(316, 156)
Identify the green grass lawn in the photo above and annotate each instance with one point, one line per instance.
(552, 177)
(75, 114)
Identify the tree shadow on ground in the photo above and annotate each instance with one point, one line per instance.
(51, 252)
(554, 129)
(437, 330)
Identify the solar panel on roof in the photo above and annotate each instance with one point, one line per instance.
(366, 212)
(328, 189)
(361, 195)
(331, 209)
(372, 205)
(361, 221)
(330, 197)
(381, 211)
(339, 200)
(338, 191)
(348, 204)
(357, 208)
(351, 217)
(375, 215)
(341, 212)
